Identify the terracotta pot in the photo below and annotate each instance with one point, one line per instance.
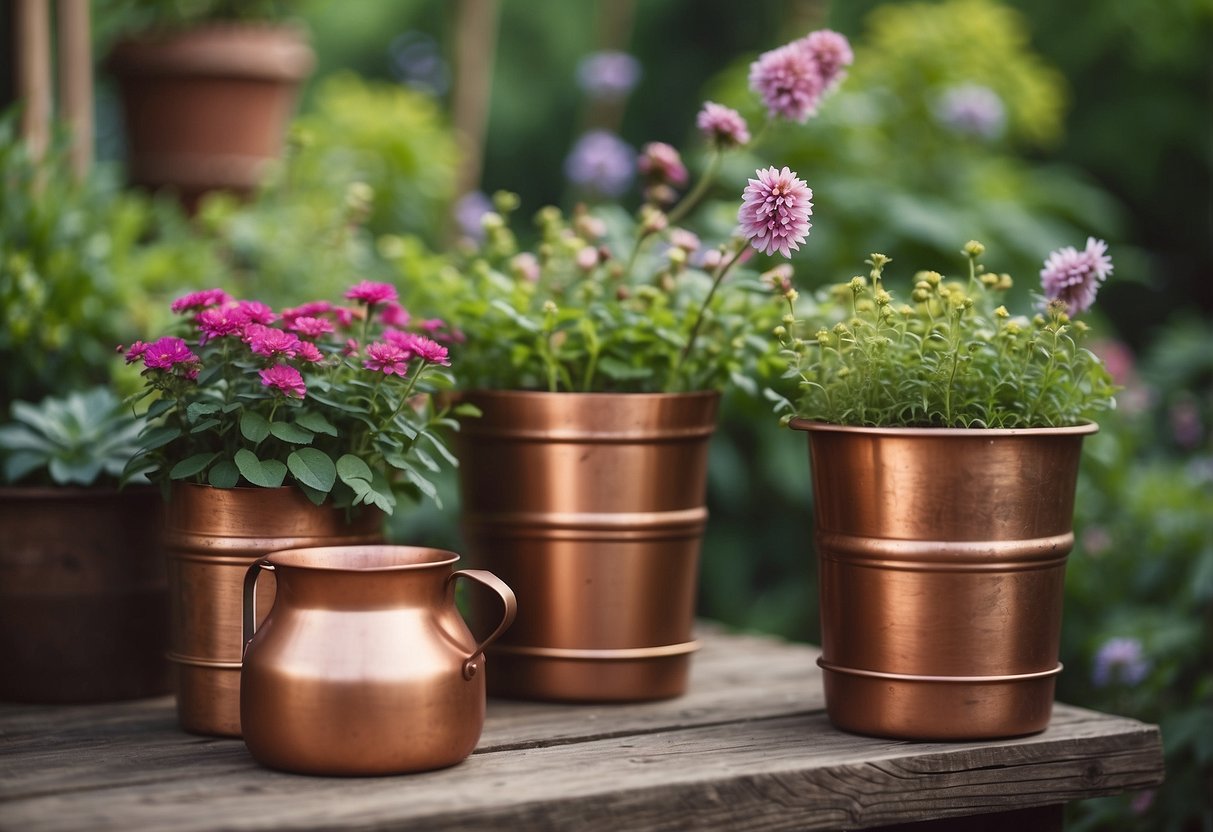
(83, 603)
(208, 108)
(591, 506)
(364, 666)
(212, 536)
(942, 555)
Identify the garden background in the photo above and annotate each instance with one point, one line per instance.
(1097, 119)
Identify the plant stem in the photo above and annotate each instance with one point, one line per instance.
(719, 278)
(697, 193)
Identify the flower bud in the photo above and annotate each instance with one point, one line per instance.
(933, 278)
(491, 221)
(857, 284)
(506, 202)
(780, 332)
(789, 319)
(791, 295)
(1004, 282)
(550, 307)
(823, 337)
(883, 298)
(974, 249)
(1002, 312)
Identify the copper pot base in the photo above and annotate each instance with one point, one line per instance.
(208, 696)
(565, 675)
(943, 708)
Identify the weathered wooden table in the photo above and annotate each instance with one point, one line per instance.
(747, 748)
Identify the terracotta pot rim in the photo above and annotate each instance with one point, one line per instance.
(585, 396)
(297, 558)
(1083, 429)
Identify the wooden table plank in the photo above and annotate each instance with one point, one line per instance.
(748, 748)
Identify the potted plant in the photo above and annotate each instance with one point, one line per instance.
(207, 89)
(276, 430)
(83, 602)
(596, 363)
(944, 437)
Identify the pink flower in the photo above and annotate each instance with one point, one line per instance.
(309, 352)
(310, 327)
(688, 241)
(254, 312)
(419, 346)
(286, 380)
(586, 258)
(167, 353)
(371, 293)
(525, 266)
(218, 322)
(201, 300)
(308, 310)
(775, 211)
(268, 341)
(722, 126)
(394, 314)
(387, 358)
(1074, 276)
(346, 316)
(832, 52)
(789, 82)
(135, 352)
(660, 162)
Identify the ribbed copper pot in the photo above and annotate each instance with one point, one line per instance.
(364, 665)
(212, 535)
(591, 506)
(83, 598)
(942, 558)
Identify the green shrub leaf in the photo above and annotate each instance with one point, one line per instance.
(313, 468)
(266, 473)
(253, 426)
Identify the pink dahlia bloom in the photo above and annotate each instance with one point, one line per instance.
(309, 352)
(419, 346)
(372, 293)
(201, 300)
(254, 312)
(662, 163)
(788, 80)
(218, 322)
(394, 314)
(311, 309)
(286, 380)
(722, 126)
(832, 53)
(387, 358)
(775, 211)
(168, 352)
(1074, 276)
(346, 316)
(135, 352)
(268, 341)
(310, 327)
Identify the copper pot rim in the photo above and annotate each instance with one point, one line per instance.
(1082, 429)
(329, 558)
(463, 395)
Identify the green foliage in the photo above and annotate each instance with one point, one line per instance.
(952, 359)
(82, 439)
(149, 14)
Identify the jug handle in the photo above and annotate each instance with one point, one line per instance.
(508, 601)
(250, 601)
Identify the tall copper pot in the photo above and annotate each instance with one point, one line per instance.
(592, 507)
(83, 595)
(942, 558)
(364, 665)
(212, 535)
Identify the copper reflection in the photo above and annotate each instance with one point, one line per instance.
(591, 506)
(942, 561)
(364, 665)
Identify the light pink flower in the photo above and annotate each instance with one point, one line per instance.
(285, 379)
(387, 358)
(309, 352)
(167, 353)
(372, 293)
(268, 341)
(661, 162)
(775, 211)
(832, 52)
(310, 327)
(789, 82)
(685, 240)
(200, 300)
(722, 126)
(1074, 276)
(586, 258)
(135, 352)
(525, 266)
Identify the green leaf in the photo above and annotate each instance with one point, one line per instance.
(268, 473)
(317, 497)
(292, 433)
(313, 468)
(64, 472)
(18, 464)
(205, 426)
(469, 410)
(254, 427)
(426, 487)
(223, 474)
(351, 469)
(160, 407)
(153, 438)
(200, 409)
(315, 422)
(191, 465)
(616, 370)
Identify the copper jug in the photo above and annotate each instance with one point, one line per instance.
(364, 665)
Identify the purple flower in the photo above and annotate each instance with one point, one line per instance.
(419, 346)
(168, 352)
(309, 352)
(218, 321)
(722, 126)
(310, 327)
(601, 162)
(1074, 276)
(832, 53)
(286, 380)
(789, 82)
(200, 300)
(371, 293)
(135, 352)
(775, 211)
(307, 310)
(661, 162)
(271, 342)
(255, 312)
(1120, 661)
(386, 358)
(469, 209)
(971, 109)
(608, 74)
(393, 314)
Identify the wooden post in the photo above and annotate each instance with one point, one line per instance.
(33, 44)
(475, 46)
(76, 81)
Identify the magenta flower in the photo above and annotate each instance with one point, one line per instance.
(722, 126)
(310, 327)
(775, 211)
(309, 352)
(254, 312)
(135, 352)
(419, 346)
(286, 380)
(371, 293)
(346, 316)
(200, 300)
(218, 322)
(832, 53)
(1074, 276)
(393, 314)
(167, 353)
(311, 309)
(789, 82)
(271, 342)
(661, 162)
(387, 358)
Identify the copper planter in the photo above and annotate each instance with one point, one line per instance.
(83, 598)
(364, 665)
(591, 506)
(942, 558)
(212, 535)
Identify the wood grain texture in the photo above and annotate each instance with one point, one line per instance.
(748, 748)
